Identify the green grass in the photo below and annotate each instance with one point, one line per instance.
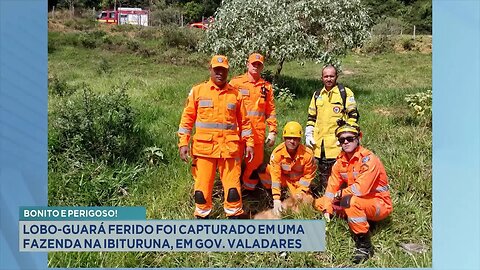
(158, 90)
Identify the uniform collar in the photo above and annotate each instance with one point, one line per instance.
(213, 86)
(245, 80)
(360, 152)
(300, 151)
(335, 88)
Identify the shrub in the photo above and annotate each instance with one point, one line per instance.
(168, 15)
(99, 126)
(88, 41)
(133, 45)
(388, 26)
(81, 24)
(383, 36)
(104, 66)
(56, 40)
(408, 44)
(59, 87)
(421, 105)
(186, 38)
(149, 33)
(124, 28)
(379, 44)
(284, 96)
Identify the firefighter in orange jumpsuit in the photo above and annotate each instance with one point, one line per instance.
(258, 98)
(216, 110)
(357, 188)
(292, 165)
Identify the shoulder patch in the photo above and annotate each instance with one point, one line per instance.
(364, 168)
(272, 157)
(351, 99)
(365, 159)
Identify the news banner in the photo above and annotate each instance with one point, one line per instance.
(127, 229)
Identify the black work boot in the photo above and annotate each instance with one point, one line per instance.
(363, 247)
(205, 217)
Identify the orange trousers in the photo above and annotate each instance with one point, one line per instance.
(249, 184)
(203, 171)
(360, 211)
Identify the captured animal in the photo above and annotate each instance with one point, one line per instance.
(291, 203)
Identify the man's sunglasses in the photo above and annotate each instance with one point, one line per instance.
(349, 139)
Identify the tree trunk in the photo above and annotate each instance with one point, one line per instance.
(278, 69)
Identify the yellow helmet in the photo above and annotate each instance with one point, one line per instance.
(350, 126)
(292, 130)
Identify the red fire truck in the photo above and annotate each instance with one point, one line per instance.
(124, 15)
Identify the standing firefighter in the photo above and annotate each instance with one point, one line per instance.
(331, 104)
(292, 165)
(259, 103)
(357, 188)
(217, 111)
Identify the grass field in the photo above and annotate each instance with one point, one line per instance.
(160, 181)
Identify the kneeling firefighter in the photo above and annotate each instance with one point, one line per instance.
(292, 166)
(357, 188)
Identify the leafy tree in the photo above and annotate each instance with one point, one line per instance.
(193, 11)
(381, 9)
(322, 30)
(420, 15)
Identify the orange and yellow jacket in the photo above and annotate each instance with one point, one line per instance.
(260, 105)
(220, 121)
(364, 176)
(295, 173)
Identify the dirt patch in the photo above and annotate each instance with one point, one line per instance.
(384, 112)
(348, 72)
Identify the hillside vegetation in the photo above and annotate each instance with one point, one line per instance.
(116, 94)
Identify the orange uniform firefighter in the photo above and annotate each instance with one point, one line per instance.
(357, 188)
(292, 165)
(216, 110)
(259, 103)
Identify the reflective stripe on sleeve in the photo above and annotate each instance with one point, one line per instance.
(355, 190)
(304, 182)
(246, 132)
(329, 195)
(266, 181)
(184, 130)
(275, 185)
(382, 188)
(357, 219)
(255, 113)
